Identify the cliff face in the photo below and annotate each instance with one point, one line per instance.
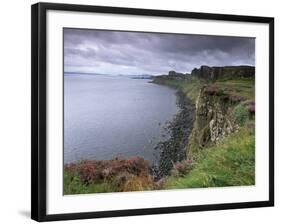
(214, 73)
(213, 117)
(218, 93)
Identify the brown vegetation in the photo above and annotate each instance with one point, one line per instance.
(123, 174)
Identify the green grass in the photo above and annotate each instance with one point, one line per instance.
(238, 87)
(241, 87)
(192, 89)
(230, 163)
(73, 185)
(241, 114)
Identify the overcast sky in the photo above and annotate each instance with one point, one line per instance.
(133, 53)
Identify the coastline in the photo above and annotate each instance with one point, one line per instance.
(173, 150)
(214, 129)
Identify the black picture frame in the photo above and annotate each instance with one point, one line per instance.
(39, 107)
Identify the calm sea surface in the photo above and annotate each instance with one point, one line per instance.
(107, 116)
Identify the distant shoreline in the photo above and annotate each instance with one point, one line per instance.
(142, 76)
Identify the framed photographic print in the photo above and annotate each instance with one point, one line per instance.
(139, 111)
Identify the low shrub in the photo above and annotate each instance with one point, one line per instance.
(94, 170)
(117, 174)
(241, 114)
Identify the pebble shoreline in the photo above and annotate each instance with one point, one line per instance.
(174, 149)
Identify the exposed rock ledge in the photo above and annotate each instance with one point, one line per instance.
(214, 118)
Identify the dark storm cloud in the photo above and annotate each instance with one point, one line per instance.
(114, 52)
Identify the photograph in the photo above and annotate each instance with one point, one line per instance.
(139, 111)
(153, 111)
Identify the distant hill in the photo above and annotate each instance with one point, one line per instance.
(142, 76)
(82, 73)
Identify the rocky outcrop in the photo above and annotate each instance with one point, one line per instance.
(213, 73)
(172, 75)
(214, 118)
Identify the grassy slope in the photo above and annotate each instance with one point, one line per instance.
(230, 163)
(243, 87)
(74, 185)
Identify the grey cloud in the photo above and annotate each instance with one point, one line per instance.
(154, 53)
